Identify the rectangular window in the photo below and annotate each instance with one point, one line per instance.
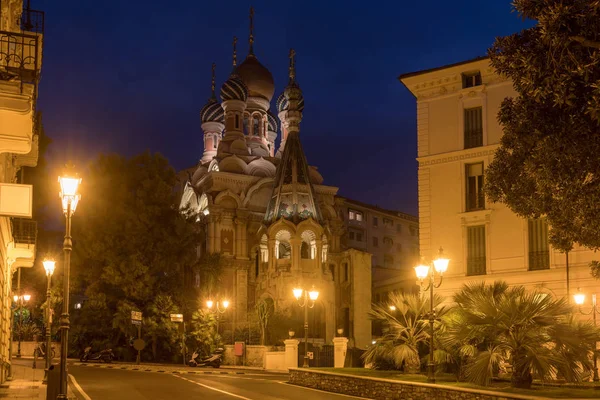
(473, 127)
(354, 215)
(388, 222)
(375, 241)
(346, 272)
(413, 231)
(351, 215)
(359, 237)
(475, 197)
(471, 79)
(351, 235)
(359, 216)
(388, 241)
(375, 221)
(476, 250)
(539, 252)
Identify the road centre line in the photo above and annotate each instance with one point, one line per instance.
(212, 388)
(79, 388)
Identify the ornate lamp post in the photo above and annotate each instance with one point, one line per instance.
(49, 267)
(423, 272)
(579, 300)
(69, 195)
(218, 310)
(313, 295)
(19, 300)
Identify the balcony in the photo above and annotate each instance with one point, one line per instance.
(476, 266)
(20, 55)
(32, 21)
(23, 246)
(539, 260)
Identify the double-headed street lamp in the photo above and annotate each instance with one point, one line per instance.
(49, 268)
(19, 300)
(218, 310)
(579, 300)
(306, 295)
(423, 272)
(69, 195)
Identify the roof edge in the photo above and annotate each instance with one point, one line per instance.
(425, 71)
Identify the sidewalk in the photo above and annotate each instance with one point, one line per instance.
(26, 384)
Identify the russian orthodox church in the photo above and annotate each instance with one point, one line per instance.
(267, 211)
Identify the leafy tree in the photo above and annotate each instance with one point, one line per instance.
(210, 268)
(133, 249)
(404, 331)
(530, 330)
(547, 161)
(264, 311)
(203, 332)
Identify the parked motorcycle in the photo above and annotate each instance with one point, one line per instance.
(40, 351)
(214, 360)
(106, 355)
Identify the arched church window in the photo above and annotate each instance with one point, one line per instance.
(215, 142)
(237, 121)
(255, 126)
(284, 250)
(305, 251)
(246, 125)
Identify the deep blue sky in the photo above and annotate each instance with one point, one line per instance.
(125, 76)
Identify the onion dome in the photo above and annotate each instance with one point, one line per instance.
(257, 77)
(212, 111)
(234, 89)
(272, 122)
(292, 91)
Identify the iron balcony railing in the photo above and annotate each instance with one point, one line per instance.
(476, 266)
(474, 138)
(20, 56)
(24, 230)
(539, 260)
(32, 21)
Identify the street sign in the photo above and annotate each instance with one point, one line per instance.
(176, 317)
(310, 355)
(139, 344)
(136, 322)
(136, 315)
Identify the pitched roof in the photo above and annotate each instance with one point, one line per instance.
(425, 71)
(293, 195)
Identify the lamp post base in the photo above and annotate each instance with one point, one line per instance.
(45, 380)
(305, 365)
(430, 373)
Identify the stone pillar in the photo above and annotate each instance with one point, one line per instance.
(295, 243)
(238, 238)
(291, 353)
(272, 258)
(340, 346)
(244, 233)
(211, 235)
(217, 236)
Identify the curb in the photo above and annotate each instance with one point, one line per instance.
(142, 368)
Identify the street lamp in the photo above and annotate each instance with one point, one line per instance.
(49, 268)
(218, 310)
(440, 265)
(306, 295)
(69, 195)
(579, 300)
(19, 300)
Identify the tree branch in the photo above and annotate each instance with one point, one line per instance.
(586, 42)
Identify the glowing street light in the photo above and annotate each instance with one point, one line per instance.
(579, 300)
(49, 266)
(20, 300)
(311, 295)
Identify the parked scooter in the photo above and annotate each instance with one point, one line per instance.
(214, 360)
(106, 355)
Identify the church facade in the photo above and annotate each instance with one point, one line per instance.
(267, 211)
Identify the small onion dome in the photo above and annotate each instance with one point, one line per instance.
(212, 111)
(272, 122)
(282, 103)
(234, 89)
(257, 77)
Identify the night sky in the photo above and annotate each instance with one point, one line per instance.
(126, 76)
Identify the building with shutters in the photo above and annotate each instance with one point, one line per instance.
(21, 40)
(458, 132)
(268, 213)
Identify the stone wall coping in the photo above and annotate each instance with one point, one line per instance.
(427, 385)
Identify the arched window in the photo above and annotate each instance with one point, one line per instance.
(305, 250)
(246, 126)
(308, 241)
(237, 121)
(283, 249)
(255, 126)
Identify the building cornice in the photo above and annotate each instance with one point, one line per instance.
(459, 155)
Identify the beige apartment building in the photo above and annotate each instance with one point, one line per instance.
(20, 63)
(392, 237)
(458, 132)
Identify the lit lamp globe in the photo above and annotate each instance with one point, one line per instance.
(297, 293)
(441, 263)
(49, 266)
(16, 298)
(209, 303)
(225, 303)
(422, 271)
(579, 298)
(68, 192)
(313, 294)
(27, 297)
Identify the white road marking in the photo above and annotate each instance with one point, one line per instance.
(212, 388)
(324, 391)
(79, 388)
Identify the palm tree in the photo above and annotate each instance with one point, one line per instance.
(404, 330)
(530, 330)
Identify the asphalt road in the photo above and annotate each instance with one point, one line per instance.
(114, 384)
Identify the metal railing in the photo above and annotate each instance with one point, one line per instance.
(24, 230)
(473, 138)
(476, 266)
(19, 53)
(32, 21)
(539, 260)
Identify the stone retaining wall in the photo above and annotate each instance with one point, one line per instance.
(388, 389)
